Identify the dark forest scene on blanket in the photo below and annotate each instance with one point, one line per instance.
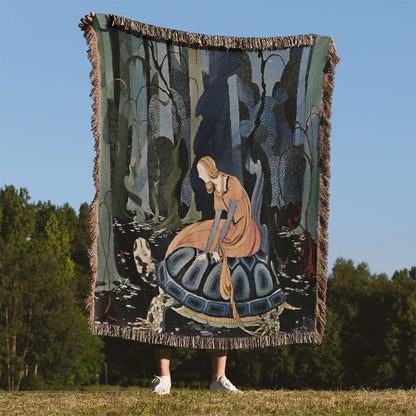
(209, 223)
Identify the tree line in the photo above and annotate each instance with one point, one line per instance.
(45, 342)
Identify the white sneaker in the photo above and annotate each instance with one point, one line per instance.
(161, 385)
(223, 385)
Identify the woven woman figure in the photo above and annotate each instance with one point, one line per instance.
(236, 236)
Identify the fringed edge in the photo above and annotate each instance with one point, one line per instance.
(325, 174)
(209, 343)
(94, 58)
(201, 40)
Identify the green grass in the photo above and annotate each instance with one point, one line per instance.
(201, 402)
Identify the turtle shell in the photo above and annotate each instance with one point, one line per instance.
(195, 284)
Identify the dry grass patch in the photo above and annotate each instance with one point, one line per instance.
(198, 402)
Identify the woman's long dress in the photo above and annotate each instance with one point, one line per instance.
(243, 236)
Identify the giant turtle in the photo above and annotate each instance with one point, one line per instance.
(191, 288)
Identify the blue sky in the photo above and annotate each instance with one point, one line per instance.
(45, 108)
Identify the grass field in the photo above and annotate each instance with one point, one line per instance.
(201, 402)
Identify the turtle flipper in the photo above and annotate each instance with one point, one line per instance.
(155, 320)
(269, 323)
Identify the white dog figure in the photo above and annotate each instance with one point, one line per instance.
(144, 263)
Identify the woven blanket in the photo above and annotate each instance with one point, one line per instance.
(209, 223)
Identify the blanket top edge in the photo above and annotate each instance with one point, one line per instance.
(203, 40)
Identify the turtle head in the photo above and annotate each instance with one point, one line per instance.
(143, 260)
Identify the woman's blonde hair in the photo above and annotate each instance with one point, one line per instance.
(211, 169)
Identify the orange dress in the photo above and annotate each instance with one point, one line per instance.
(243, 236)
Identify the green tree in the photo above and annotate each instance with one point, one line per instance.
(320, 366)
(80, 244)
(401, 338)
(378, 331)
(17, 225)
(45, 340)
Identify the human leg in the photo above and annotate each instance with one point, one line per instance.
(163, 355)
(219, 381)
(162, 383)
(218, 363)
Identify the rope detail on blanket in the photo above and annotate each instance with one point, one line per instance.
(227, 290)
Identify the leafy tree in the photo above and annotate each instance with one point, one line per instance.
(44, 337)
(80, 244)
(17, 225)
(401, 338)
(378, 328)
(320, 366)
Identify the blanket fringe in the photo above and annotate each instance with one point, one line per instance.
(93, 56)
(201, 40)
(151, 337)
(325, 174)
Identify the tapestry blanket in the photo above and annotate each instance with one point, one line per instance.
(209, 222)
